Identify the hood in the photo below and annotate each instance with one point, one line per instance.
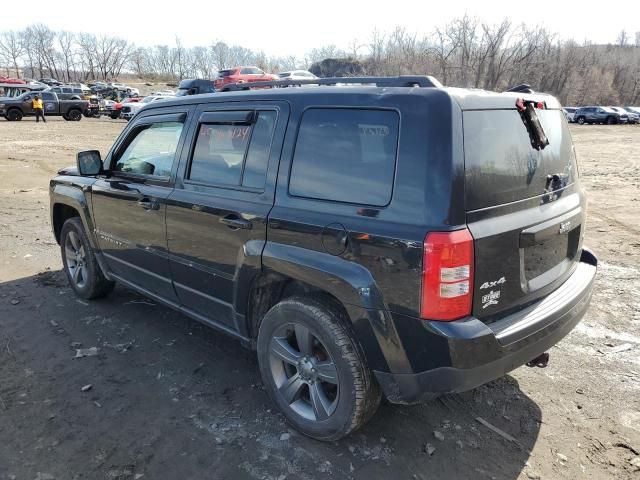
(71, 170)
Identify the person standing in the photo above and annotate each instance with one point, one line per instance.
(38, 108)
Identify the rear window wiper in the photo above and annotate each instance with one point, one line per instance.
(527, 110)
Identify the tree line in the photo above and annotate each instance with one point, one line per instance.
(465, 52)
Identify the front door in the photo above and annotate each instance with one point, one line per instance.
(129, 203)
(216, 216)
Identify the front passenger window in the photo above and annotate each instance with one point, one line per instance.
(152, 150)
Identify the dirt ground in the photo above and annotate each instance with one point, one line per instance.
(170, 398)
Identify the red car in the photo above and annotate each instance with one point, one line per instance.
(117, 107)
(17, 81)
(241, 75)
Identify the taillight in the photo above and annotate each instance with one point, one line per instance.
(447, 275)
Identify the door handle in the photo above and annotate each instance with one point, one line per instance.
(148, 204)
(235, 223)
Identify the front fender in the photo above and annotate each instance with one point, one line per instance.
(73, 192)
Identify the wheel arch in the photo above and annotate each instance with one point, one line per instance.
(69, 201)
(346, 287)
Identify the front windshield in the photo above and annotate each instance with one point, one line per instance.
(182, 92)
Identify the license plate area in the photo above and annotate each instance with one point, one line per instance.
(548, 250)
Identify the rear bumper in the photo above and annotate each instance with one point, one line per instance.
(479, 353)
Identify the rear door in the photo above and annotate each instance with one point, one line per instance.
(49, 102)
(525, 208)
(216, 216)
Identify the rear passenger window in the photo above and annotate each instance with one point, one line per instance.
(233, 155)
(346, 155)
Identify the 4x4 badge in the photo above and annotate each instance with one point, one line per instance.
(493, 284)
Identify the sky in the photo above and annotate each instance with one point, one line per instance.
(295, 27)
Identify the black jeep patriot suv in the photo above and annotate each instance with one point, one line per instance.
(390, 238)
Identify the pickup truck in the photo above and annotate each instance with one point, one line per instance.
(13, 109)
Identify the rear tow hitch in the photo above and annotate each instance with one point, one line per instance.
(541, 361)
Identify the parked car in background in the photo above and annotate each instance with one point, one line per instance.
(570, 113)
(70, 92)
(15, 109)
(116, 107)
(52, 82)
(626, 116)
(10, 80)
(121, 87)
(241, 75)
(130, 109)
(633, 109)
(296, 75)
(12, 90)
(98, 87)
(194, 86)
(596, 115)
(364, 243)
(164, 93)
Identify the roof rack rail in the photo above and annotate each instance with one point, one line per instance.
(400, 81)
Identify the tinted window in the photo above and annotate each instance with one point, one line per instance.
(501, 166)
(220, 152)
(152, 150)
(255, 169)
(254, 71)
(56, 89)
(47, 96)
(77, 90)
(66, 90)
(225, 73)
(346, 156)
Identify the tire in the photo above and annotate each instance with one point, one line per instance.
(325, 403)
(115, 115)
(14, 115)
(581, 121)
(75, 98)
(74, 115)
(79, 262)
(610, 120)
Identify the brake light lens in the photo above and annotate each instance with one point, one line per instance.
(447, 275)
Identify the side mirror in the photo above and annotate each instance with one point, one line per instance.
(89, 162)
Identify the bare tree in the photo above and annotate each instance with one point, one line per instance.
(12, 49)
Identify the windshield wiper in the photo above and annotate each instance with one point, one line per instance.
(527, 110)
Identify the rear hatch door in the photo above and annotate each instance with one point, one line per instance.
(524, 207)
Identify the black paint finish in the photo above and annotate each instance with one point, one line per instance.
(205, 248)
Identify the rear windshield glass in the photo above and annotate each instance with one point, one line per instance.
(224, 73)
(346, 155)
(501, 166)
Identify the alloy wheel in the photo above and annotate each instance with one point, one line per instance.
(305, 376)
(76, 257)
